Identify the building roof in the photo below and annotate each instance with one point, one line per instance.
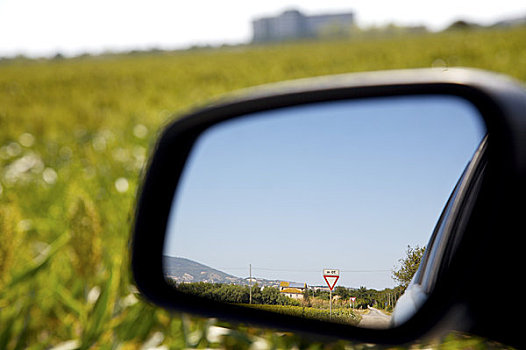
(291, 290)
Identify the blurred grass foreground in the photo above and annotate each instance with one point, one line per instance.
(74, 136)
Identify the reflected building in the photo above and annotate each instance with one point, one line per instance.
(293, 293)
(293, 24)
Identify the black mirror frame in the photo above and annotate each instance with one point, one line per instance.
(500, 101)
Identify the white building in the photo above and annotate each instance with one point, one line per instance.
(293, 293)
(293, 24)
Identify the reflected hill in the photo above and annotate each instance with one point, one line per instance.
(182, 270)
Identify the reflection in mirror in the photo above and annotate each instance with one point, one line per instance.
(277, 207)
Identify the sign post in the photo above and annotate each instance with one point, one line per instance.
(353, 299)
(331, 276)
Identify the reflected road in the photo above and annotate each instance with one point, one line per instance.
(374, 319)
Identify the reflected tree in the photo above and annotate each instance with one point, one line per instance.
(408, 265)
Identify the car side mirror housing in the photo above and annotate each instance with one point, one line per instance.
(338, 174)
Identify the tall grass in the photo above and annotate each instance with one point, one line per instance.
(74, 137)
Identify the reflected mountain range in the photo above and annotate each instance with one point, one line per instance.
(183, 270)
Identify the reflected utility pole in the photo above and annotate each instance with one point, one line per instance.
(250, 282)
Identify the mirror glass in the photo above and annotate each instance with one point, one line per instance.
(275, 208)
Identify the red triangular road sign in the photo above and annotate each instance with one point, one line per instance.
(331, 280)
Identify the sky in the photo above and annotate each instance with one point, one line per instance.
(43, 28)
(338, 185)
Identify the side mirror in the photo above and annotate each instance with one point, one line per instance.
(292, 206)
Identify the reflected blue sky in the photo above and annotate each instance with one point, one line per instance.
(344, 185)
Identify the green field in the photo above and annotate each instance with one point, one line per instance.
(74, 136)
(338, 315)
